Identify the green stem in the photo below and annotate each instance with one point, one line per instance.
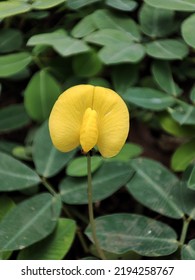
(90, 209)
(186, 222)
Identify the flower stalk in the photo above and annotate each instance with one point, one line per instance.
(90, 209)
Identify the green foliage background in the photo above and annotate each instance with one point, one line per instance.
(144, 50)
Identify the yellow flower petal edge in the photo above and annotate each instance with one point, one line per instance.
(87, 115)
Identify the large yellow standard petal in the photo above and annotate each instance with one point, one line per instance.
(67, 115)
(113, 121)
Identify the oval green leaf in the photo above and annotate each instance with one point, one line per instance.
(14, 175)
(29, 222)
(174, 128)
(13, 117)
(177, 5)
(183, 156)
(148, 98)
(188, 251)
(156, 22)
(122, 53)
(87, 65)
(162, 74)
(104, 19)
(10, 40)
(12, 8)
(128, 151)
(53, 247)
(77, 4)
(40, 95)
(167, 49)
(46, 4)
(84, 27)
(187, 29)
(120, 233)
(48, 160)
(11, 64)
(106, 180)
(155, 187)
(123, 5)
(78, 166)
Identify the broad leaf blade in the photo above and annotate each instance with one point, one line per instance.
(48, 160)
(29, 222)
(120, 233)
(40, 95)
(148, 98)
(13, 117)
(53, 247)
(14, 175)
(155, 187)
(11, 64)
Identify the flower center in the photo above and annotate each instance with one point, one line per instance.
(89, 130)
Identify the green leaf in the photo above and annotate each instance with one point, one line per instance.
(104, 19)
(187, 198)
(109, 37)
(29, 222)
(174, 128)
(187, 29)
(46, 4)
(10, 40)
(189, 176)
(11, 64)
(84, 27)
(78, 166)
(122, 53)
(12, 8)
(6, 204)
(167, 49)
(123, 5)
(13, 117)
(48, 160)
(162, 74)
(120, 233)
(60, 42)
(183, 156)
(106, 180)
(124, 76)
(14, 175)
(53, 247)
(87, 64)
(40, 95)
(177, 5)
(148, 98)
(183, 113)
(188, 251)
(156, 22)
(77, 4)
(155, 187)
(129, 150)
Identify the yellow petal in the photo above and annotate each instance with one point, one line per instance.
(113, 121)
(89, 130)
(67, 114)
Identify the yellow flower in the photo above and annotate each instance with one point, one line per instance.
(89, 116)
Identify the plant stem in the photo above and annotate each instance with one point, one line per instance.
(186, 222)
(90, 209)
